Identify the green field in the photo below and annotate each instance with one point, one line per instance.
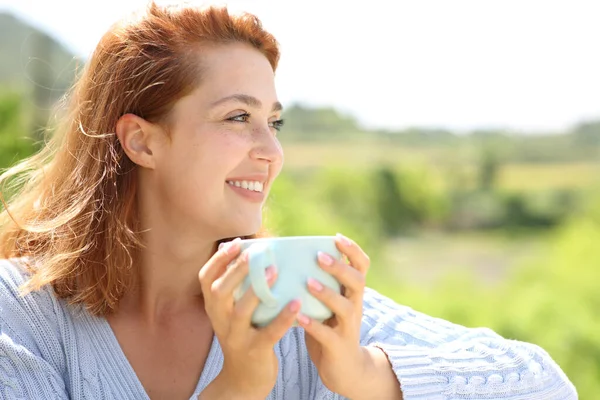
(428, 258)
(525, 177)
(441, 162)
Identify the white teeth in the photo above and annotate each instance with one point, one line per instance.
(254, 186)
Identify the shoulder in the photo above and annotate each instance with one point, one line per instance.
(31, 347)
(13, 274)
(31, 320)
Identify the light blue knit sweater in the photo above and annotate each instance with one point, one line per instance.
(49, 350)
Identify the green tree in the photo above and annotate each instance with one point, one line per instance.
(304, 123)
(15, 143)
(488, 169)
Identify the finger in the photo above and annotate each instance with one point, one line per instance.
(245, 306)
(273, 332)
(342, 307)
(322, 333)
(235, 273)
(352, 279)
(217, 263)
(356, 256)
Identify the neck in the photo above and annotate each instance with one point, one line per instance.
(167, 267)
(167, 274)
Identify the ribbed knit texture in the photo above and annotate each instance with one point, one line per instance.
(49, 350)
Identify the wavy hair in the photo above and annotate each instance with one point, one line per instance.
(73, 213)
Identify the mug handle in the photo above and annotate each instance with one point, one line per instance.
(260, 257)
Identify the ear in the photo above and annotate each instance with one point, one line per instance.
(137, 137)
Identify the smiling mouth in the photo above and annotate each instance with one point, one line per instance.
(252, 186)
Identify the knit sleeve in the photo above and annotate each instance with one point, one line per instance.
(30, 356)
(435, 359)
(23, 375)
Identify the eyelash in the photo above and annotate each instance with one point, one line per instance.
(277, 124)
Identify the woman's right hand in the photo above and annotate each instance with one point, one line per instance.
(250, 366)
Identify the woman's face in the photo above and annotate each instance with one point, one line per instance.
(222, 155)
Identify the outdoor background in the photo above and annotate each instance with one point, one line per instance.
(458, 143)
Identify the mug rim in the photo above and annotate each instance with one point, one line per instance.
(288, 238)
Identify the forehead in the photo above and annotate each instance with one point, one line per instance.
(236, 68)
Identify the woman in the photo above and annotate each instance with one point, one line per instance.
(114, 287)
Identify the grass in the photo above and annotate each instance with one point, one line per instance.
(428, 258)
(526, 177)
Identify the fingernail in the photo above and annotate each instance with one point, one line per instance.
(345, 241)
(303, 319)
(270, 272)
(325, 258)
(220, 246)
(295, 306)
(315, 284)
(231, 247)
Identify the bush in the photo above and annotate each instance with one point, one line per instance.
(406, 199)
(14, 141)
(552, 301)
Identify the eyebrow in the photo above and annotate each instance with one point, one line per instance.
(248, 100)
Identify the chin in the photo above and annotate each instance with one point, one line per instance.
(247, 227)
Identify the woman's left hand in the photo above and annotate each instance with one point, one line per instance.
(334, 346)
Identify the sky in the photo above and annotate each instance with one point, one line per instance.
(525, 65)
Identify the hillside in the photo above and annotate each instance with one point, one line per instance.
(32, 61)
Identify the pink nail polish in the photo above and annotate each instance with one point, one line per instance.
(325, 258)
(295, 306)
(345, 241)
(315, 284)
(303, 319)
(231, 247)
(270, 272)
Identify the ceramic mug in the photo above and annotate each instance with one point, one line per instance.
(295, 258)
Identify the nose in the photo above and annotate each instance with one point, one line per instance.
(266, 146)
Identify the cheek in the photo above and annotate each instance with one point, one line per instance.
(184, 168)
(210, 161)
(204, 160)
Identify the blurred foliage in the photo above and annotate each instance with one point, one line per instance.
(15, 143)
(32, 61)
(482, 182)
(580, 143)
(310, 124)
(551, 301)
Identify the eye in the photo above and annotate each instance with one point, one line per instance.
(239, 118)
(277, 124)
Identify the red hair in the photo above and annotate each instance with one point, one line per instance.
(74, 213)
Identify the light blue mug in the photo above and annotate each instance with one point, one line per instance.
(295, 258)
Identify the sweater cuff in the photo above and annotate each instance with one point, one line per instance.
(415, 372)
